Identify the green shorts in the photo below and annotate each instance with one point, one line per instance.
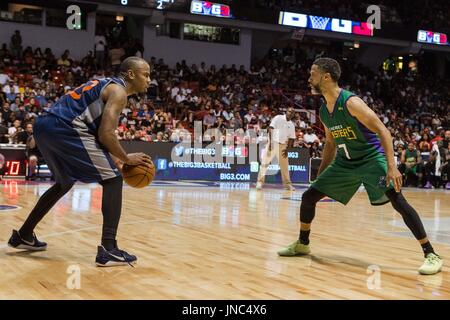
(341, 179)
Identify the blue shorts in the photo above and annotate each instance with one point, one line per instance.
(71, 154)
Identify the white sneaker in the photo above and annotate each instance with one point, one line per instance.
(433, 264)
(258, 186)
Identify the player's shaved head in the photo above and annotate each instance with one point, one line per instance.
(331, 66)
(131, 63)
(136, 73)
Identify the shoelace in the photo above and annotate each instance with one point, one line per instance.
(433, 259)
(292, 246)
(36, 241)
(124, 258)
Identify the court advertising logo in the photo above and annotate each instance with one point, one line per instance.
(207, 8)
(235, 176)
(233, 147)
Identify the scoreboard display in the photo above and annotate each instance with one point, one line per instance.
(431, 37)
(176, 5)
(13, 161)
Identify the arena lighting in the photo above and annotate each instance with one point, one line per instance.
(207, 8)
(301, 20)
(432, 37)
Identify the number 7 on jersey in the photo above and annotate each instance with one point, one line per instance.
(343, 146)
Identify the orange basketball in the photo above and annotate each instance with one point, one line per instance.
(138, 176)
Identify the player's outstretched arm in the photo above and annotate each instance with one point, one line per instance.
(329, 151)
(359, 109)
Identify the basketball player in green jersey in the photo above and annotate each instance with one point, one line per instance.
(358, 150)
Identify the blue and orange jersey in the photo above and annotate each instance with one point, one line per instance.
(83, 107)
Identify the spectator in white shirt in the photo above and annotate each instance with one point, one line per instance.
(4, 78)
(202, 69)
(14, 130)
(310, 136)
(100, 46)
(299, 123)
(15, 105)
(180, 97)
(99, 75)
(228, 113)
(209, 119)
(249, 116)
(11, 88)
(174, 91)
(281, 137)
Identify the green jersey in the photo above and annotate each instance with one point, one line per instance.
(411, 159)
(411, 156)
(353, 140)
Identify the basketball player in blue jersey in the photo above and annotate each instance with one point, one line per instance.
(77, 140)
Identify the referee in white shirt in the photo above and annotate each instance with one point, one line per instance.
(281, 137)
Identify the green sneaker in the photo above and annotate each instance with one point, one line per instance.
(295, 249)
(433, 264)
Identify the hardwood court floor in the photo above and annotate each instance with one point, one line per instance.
(210, 241)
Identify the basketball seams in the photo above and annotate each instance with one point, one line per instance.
(147, 173)
(135, 174)
(138, 185)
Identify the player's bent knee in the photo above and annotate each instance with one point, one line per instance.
(308, 207)
(398, 201)
(312, 196)
(63, 188)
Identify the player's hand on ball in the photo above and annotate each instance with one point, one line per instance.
(396, 177)
(119, 164)
(135, 159)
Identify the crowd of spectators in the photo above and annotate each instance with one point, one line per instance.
(232, 101)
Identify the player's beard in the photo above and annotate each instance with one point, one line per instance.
(315, 90)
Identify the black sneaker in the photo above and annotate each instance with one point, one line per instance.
(114, 257)
(17, 242)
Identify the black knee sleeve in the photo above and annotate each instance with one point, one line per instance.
(308, 207)
(409, 215)
(63, 188)
(111, 208)
(44, 204)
